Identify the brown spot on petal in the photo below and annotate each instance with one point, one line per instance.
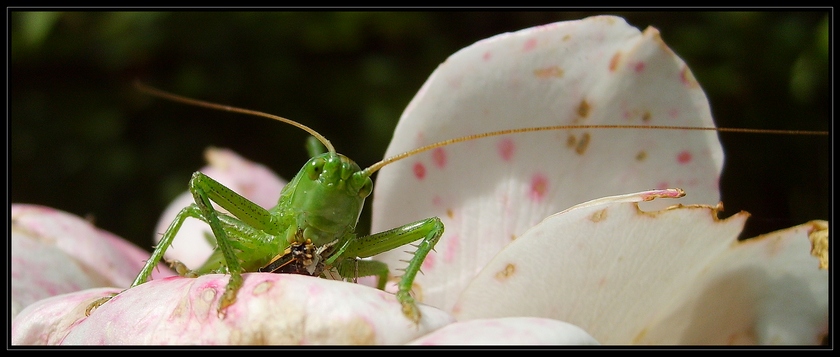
(179, 310)
(819, 242)
(506, 273)
(640, 336)
(262, 288)
(641, 156)
(608, 19)
(201, 306)
(598, 216)
(549, 72)
(614, 61)
(646, 116)
(581, 146)
(583, 109)
(449, 213)
(359, 332)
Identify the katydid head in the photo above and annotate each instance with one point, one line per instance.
(328, 195)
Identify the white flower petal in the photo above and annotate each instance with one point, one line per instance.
(54, 252)
(598, 70)
(508, 331)
(48, 321)
(764, 290)
(270, 309)
(672, 276)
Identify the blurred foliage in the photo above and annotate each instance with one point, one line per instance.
(83, 140)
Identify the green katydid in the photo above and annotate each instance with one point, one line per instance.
(311, 229)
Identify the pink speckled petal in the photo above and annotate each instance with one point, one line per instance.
(676, 276)
(48, 321)
(598, 70)
(54, 252)
(508, 331)
(270, 309)
(251, 180)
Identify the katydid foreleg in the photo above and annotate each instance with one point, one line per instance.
(429, 230)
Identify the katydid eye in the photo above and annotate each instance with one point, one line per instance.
(366, 188)
(315, 168)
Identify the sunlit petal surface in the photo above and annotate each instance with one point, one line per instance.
(677, 276)
(54, 252)
(270, 309)
(488, 192)
(508, 331)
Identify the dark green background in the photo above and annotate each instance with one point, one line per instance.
(83, 140)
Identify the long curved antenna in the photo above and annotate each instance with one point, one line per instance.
(375, 167)
(178, 98)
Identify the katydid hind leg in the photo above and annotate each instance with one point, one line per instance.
(200, 189)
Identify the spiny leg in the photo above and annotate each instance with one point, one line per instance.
(168, 236)
(189, 211)
(429, 230)
(358, 268)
